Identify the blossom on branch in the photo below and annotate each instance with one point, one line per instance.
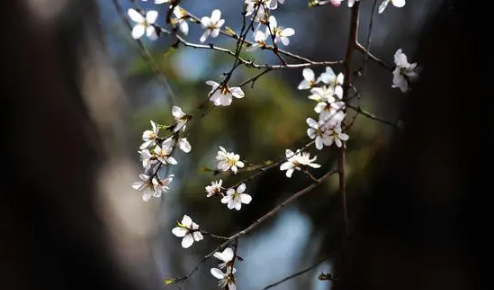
(180, 19)
(145, 24)
(297, 161)
(164, 153)
(309, 80)
(259, 40)
(188, 230)
(334, 81)
(396, 3)
(214, 188)
(228, 160)
(227, 280)
(212, 25)
(226, 257)
(403, 72)
(149, 136)
(221, 95)
(180, 118)
(279, 33)
(152, 186)
(235, 197)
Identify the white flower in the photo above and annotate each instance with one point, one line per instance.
(335, 135)
(253, 6)
(322, 94)
(273, 4)
(222, 96)
(226, 279)
(309, 80)
(147, 159)
(161, 185)
(149, 136)
(259, 40)
(226, 257)
(180, 118)
(330, 111)
(188, 230)
(352, 2)
(403, 72)
(144, 24)
(297, 161)
(163, 153)
(235, 198)
(279, 33)
(214, 188)
(316, 131)
(163, 1)
(334, 81)
(152, 187)
(396, 3)
(183, 144)
(228, 160)
(180, 19)
(212, 25)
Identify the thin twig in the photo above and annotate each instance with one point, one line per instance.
(160, 74)
(362, 49)
(372, 116)
(369, 37)
(294, 275)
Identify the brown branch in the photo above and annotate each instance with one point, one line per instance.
(352, 43)
(294, 275)
(372, 116)
(369, 37)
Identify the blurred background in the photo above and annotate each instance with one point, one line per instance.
(121, 94)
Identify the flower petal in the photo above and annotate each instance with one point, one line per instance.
(135, 16)
(308, 74)
(197, 236)
(151, 16)
(187, 221)
(245, 198)
(179, 232)
(217, 273)
(138, 31)
(187, 241)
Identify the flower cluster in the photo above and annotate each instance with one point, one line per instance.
(327, 91)
(156, 152)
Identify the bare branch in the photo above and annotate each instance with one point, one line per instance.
(294, 275)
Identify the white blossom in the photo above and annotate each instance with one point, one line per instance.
(235, 197)
(396, 3)
(188, 230)
(336, 136)
(144, 23)
(163, 153)
(228, 160)
(180, 19)
(259, 40)
(256, 5)
(222, 95)
(279, 33)
(163, 1)
(334, 81)
(147, 159)
(273, 4)
(226, 279)
(183, 143)
(322, 94)
(330, 111)
(297, 161)
(403, 72)
(152, 186)
(214, 188)
(317, 131)
(212, 25)
(180, 118)
(226, 257)
(309, 80)
(149, 136)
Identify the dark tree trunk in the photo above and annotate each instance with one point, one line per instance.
(51, 236)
